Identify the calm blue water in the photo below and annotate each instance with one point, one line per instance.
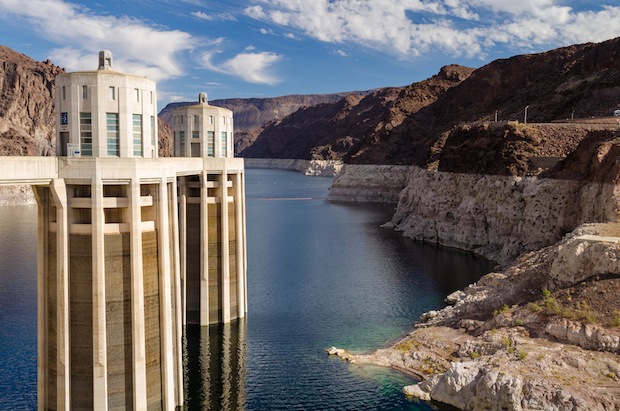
(319, 274)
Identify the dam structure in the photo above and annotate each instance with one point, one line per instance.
(131, 247)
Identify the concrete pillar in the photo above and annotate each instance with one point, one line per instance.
(59, 193)
(43, 202)
(100, 369)
(176, 285)
(183, 245)
(204, 250)
(245, 248)
(225, 263)
(137, 298)
(240, 246)
(165, 305)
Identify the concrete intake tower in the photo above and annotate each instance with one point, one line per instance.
(131, 247)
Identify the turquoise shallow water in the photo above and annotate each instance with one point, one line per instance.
(319, 274)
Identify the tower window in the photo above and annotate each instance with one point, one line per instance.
(210, 144)
(86, 135)
(153, 131)
(64, 93)
(85, 92)
(224, 144)
(111, 93)
(113, 134)
(137, 135)
(182, 143)
(137, 91)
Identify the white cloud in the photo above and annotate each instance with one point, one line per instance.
(251, 67)
(213, 17)
(341, 53)
(138, 47)
(409, 28)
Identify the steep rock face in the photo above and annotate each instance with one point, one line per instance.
(501, 217)
(26, 104)
(581, 79)
(165, 137)
(325, 131)
(333, 130)
(369, 183)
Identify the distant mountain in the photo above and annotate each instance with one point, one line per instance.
(417, 123)
(332, 130)
(581, 79)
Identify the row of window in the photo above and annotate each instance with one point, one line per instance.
(210, 143)
(112, 91)
(113, 134)
(181, 119)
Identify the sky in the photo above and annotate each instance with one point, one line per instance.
(269, 48)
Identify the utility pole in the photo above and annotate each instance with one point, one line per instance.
(525, 116)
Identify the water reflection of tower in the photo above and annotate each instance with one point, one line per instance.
(215, 361)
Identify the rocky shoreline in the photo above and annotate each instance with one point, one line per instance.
(543, 334)
(543, 331)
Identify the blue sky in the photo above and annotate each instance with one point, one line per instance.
(268, 48)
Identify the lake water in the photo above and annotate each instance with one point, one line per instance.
(319, 274)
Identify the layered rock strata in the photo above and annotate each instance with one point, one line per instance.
(369, 183)
(499, 217)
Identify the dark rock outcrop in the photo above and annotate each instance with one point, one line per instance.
(583, 80)
(26, 104)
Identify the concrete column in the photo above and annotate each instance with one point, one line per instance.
(100, 367)
(240, 246)
(137, 298)
(59, 192)
(165, 306)
(225, 263)
(245, 248)
(204, 250)
(183, 246)
(176, 284)
(41, 195)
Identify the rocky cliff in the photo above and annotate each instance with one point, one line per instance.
(413, 125)
(580, 80)
(369, 183)
(26, 104)
(543, 332)
(333, 130)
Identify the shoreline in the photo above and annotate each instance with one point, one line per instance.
(496, 348)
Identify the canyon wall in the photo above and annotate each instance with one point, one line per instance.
(499, 217)
(369, 183)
